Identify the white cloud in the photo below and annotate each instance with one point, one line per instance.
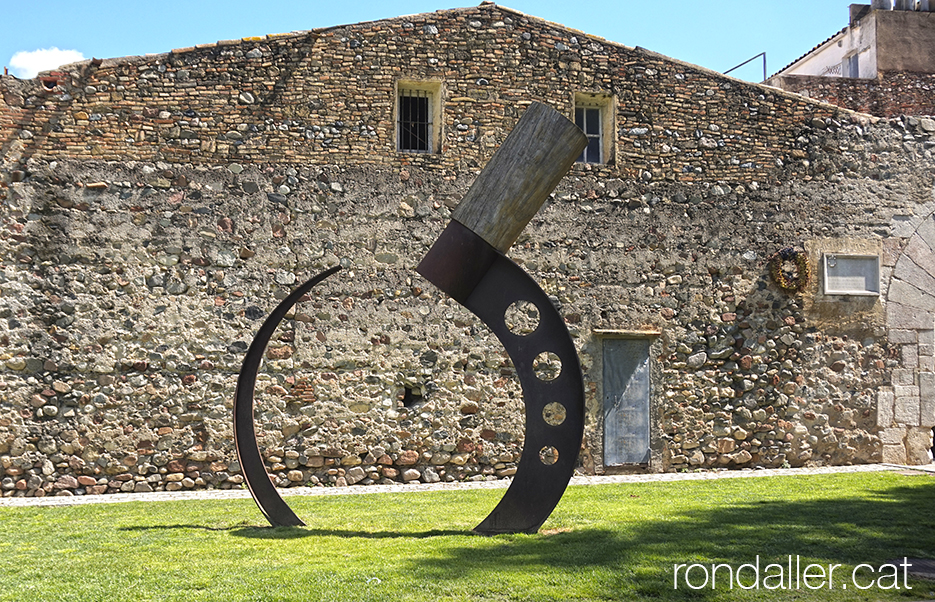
(27, 64)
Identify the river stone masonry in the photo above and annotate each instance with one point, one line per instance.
(327, 96)
(132, 280)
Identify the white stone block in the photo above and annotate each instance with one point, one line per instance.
(893, 436)
(906, 410)
(899, 336)
(894, 454)
(904, 376)
(918, 444)
(927, 413)
(909, 272)
(921, 253)
(927, 399)
(910, 356)
(885, 401)
(903, 316)
(926, 232)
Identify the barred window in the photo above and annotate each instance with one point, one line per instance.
(414, 126)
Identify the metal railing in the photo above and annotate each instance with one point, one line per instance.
(762, 54)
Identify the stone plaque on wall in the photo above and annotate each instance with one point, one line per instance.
(851, 274)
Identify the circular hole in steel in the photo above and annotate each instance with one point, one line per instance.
(548, 455)
(553, 413)
(547, 366)
(522, 318)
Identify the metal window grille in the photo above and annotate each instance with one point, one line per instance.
(415, 121)
(589, 120)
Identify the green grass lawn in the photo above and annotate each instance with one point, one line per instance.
(609, 542)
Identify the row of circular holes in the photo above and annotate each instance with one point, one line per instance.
(522, 319)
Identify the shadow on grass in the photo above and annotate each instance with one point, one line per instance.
(616, 556)
(300, 532)
(180, 527)
(255, 532)
(636, 559)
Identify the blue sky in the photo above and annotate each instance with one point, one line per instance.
(717, 35)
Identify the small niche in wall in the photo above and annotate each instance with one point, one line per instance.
(851, 274)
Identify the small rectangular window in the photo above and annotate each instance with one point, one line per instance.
(589, 120)
(594, 114)
(415, 121)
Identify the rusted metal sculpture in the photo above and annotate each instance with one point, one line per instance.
(468, 262)
(271, 504)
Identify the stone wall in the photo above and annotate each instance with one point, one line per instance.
(328, 96)
(133, 280)
(890, 95)
(127, 310)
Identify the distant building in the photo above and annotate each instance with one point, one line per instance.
(881, 63)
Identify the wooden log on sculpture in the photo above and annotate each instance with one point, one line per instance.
(468, 261)
(520, 176)
(504, 197)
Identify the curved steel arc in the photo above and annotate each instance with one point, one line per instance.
(271, 504)
(537, 486)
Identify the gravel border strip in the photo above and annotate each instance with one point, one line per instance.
(235, 494)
